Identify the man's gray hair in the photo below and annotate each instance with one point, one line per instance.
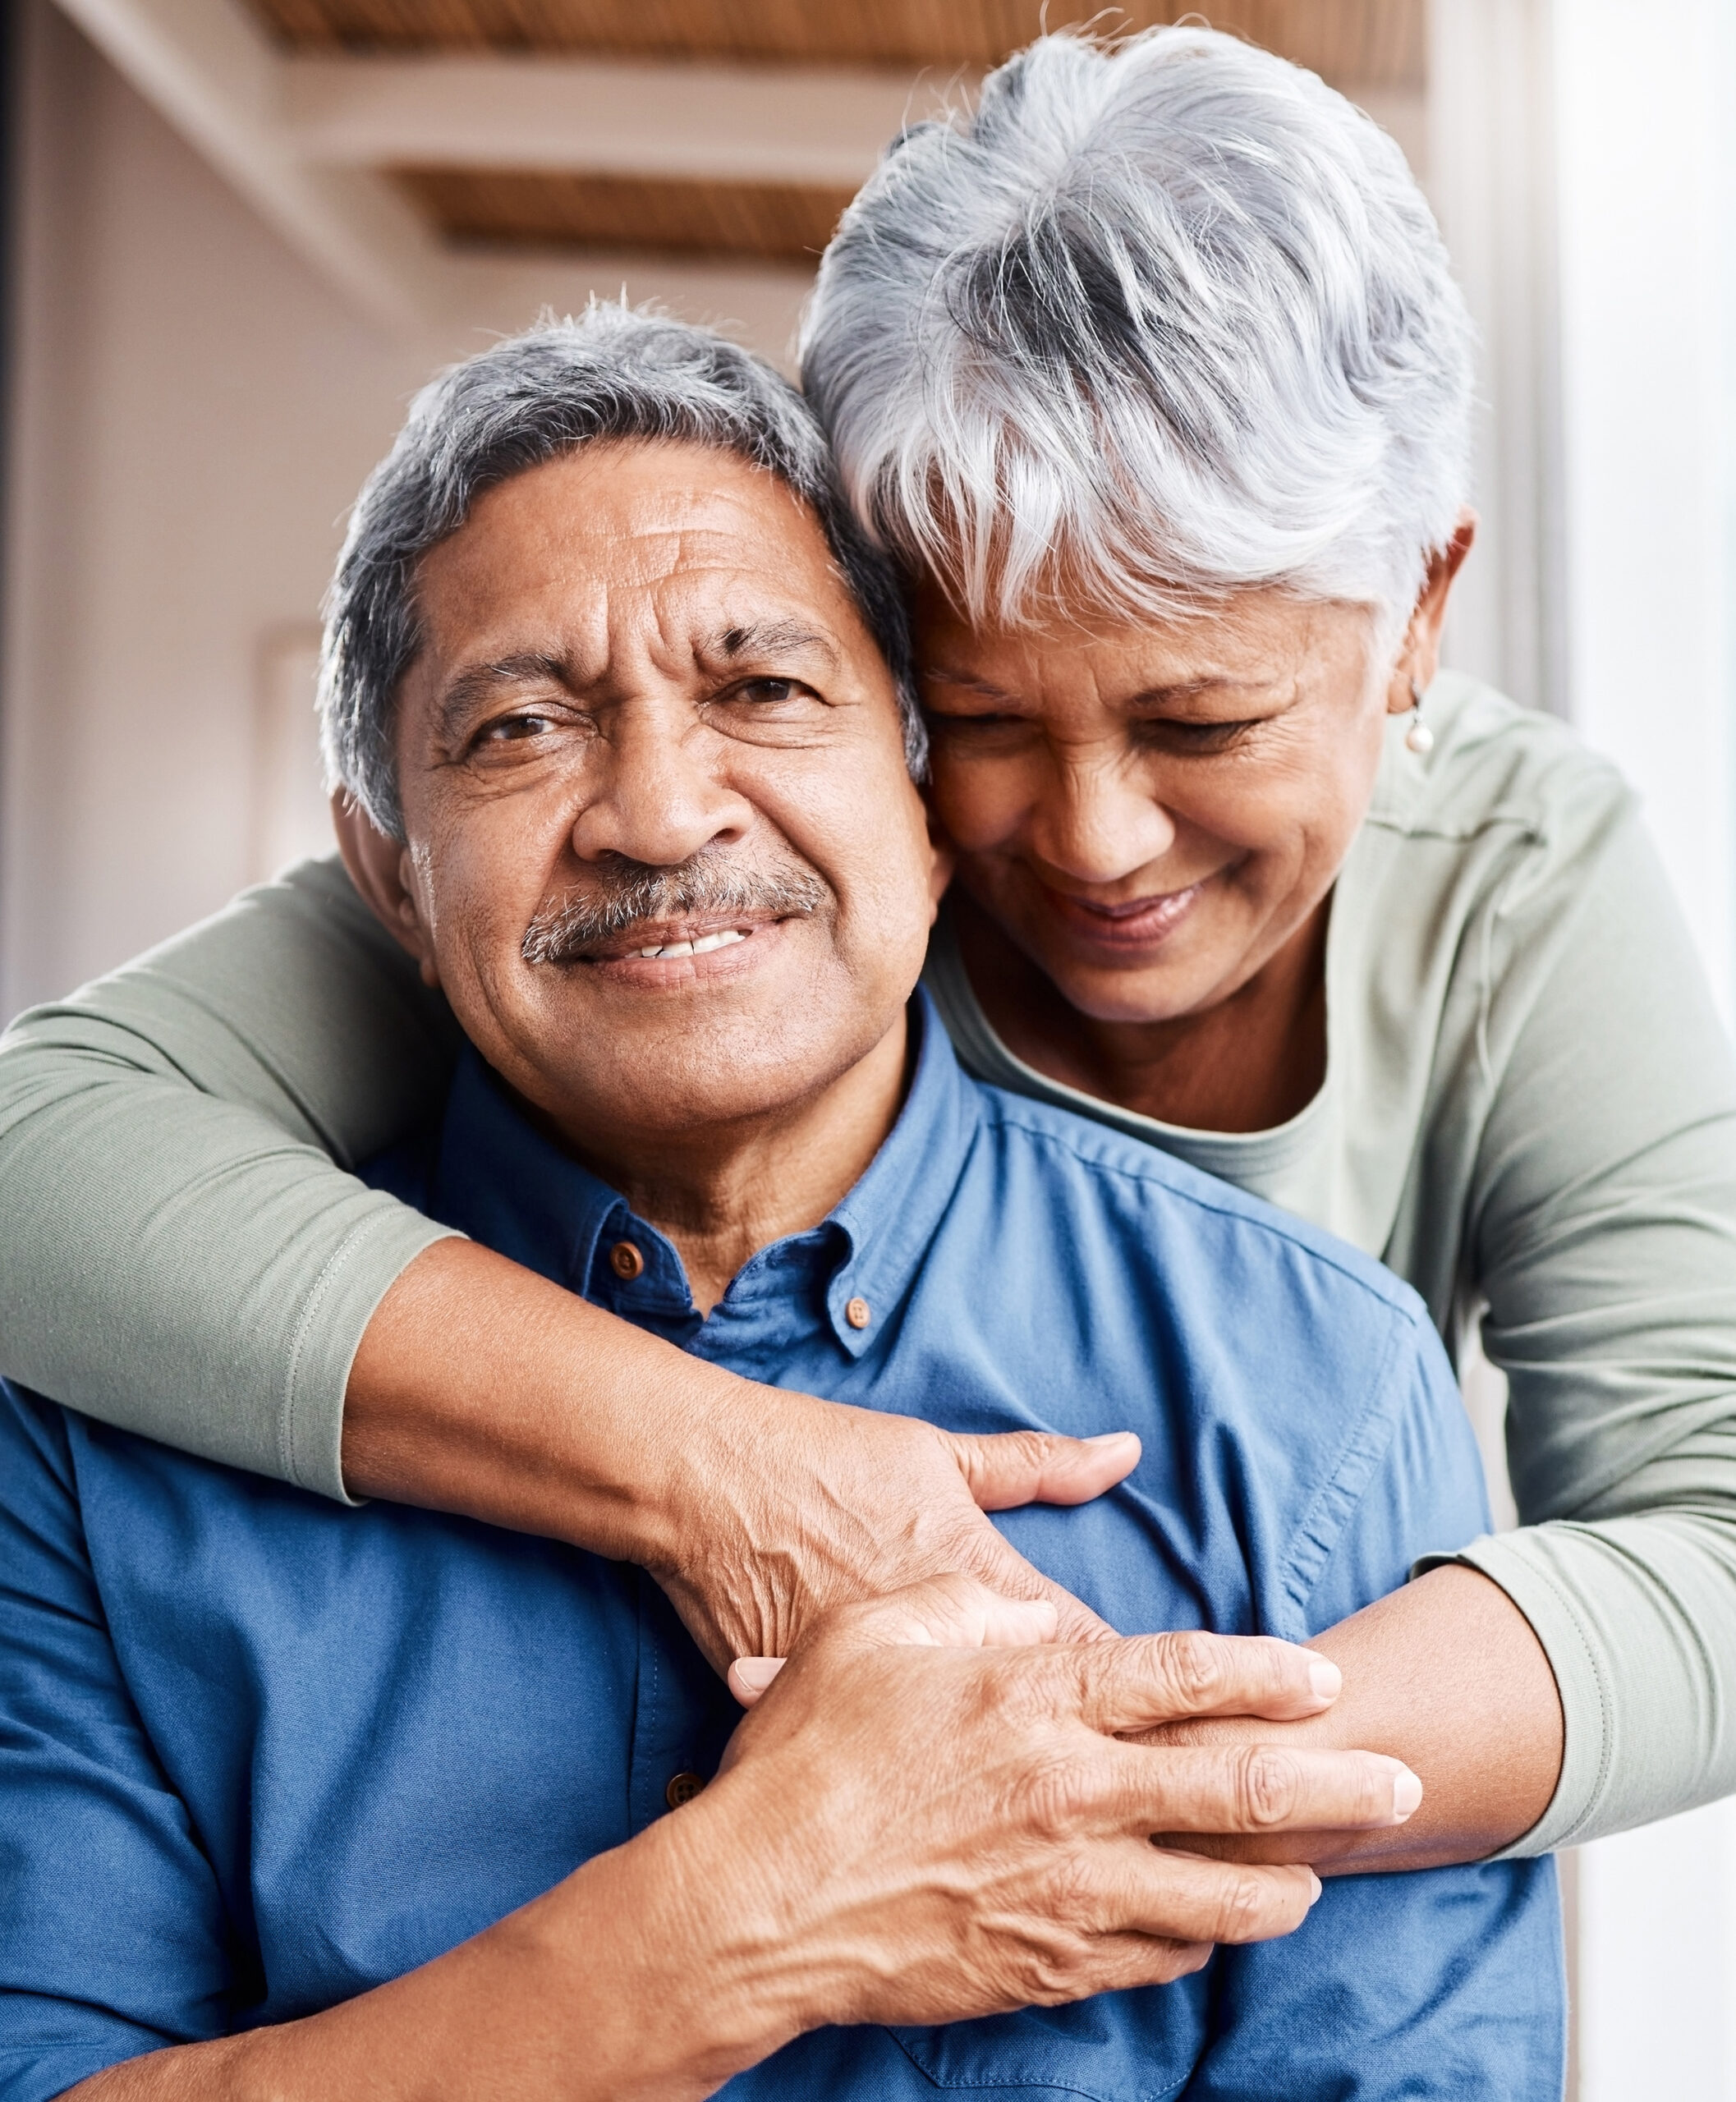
(611, 373)
(1157, 321)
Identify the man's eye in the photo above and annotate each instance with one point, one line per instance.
(763, 692)
(514, 729)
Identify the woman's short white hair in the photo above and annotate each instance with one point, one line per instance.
(1156, 321)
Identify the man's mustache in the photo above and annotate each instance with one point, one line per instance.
(624, 895)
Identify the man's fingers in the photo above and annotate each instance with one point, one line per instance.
(1193, 1899)
(1039, 1466)
(1147, 1679)
(996, 1563)
(1258, 1787)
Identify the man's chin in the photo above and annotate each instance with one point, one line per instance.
(648, 1091)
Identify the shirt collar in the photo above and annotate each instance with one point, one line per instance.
(500, 1181)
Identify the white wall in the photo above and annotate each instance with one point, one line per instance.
(1643, 92)
(195, 411)
(1582, 162)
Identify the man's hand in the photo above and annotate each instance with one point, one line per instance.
(911, 1827)
(797, 1505)
(1447, 1675)
(943, 1829)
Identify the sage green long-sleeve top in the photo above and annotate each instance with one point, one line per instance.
(1529, 1102)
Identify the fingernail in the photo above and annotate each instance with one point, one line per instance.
(1406, 1794)
(756, 1673)
(1314, 1894)
(1108, 1436)
(1325, 1679)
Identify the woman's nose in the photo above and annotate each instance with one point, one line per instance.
(658, 801)
(1096, 821)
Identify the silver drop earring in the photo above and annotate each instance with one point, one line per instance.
(1419, 738)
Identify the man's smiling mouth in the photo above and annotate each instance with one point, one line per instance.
(627, 911)
(701, 946)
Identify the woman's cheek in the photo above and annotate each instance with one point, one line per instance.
(980, 804)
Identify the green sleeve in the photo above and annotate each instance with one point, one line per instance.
(1603, 1234)
(179, 1255)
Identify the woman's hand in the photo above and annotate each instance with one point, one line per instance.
(791, 1506)
(757, 1509)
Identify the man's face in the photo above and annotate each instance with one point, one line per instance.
(647, 716)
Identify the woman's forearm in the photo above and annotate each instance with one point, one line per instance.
(1447, 1676)
(482, 1388)
(181, 1251)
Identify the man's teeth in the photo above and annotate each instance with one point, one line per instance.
(696, 948)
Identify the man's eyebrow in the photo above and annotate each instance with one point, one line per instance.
(476, 683)
(769, 638)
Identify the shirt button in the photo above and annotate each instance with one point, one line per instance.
(682, 1788)
(625, 1261)
(858, 1313)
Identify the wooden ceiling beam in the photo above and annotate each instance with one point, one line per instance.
(823, 126)
(208, 70)
(1374, 43)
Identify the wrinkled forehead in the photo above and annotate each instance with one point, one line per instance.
(626, 548)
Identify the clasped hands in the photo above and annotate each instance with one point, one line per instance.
(937, 1798)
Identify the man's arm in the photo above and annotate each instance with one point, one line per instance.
(810, 1884)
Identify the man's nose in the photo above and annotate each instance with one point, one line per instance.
(1096, 820)
(659, 798)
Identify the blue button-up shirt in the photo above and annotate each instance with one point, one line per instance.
(259, 1753)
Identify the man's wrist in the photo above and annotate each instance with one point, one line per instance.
(700, 1937)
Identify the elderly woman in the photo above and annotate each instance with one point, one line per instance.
(1153, 372)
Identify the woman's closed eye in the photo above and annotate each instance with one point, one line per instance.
(1152, 733)
(1168, 733)
(973, 722)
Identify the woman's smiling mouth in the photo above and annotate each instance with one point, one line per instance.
(1142, 923)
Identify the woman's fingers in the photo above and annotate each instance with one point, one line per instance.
(1039, 1466)
(1147, 1679)
(750, 1677)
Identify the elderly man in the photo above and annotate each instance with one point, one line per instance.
(377, 1801)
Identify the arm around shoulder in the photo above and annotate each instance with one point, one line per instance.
(169, 1143)
(1604, 1226)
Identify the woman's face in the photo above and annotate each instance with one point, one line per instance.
(1150, 812)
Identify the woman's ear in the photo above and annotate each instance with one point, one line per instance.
(944, 858)
(380, 867)
(1419, 655)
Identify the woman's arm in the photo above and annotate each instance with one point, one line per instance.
(1603, 1235)
(180, 1255)
(1583, 1691)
